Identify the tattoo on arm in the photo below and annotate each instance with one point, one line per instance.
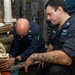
(47, 57)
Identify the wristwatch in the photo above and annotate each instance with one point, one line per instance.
(16, 61)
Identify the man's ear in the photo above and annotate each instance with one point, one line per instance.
(60, 9)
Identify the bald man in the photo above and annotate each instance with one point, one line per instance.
(27, 40)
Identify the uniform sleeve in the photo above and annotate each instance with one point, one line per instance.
(15, 45)
(36, 42)
(50, 40)
(69, 46)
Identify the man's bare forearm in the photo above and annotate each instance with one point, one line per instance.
(53, 57)
(45, 57)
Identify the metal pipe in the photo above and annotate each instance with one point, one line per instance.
(8, 12)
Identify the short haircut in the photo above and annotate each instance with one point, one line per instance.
(56, 3)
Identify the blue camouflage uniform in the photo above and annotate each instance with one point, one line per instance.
(31, 43)
(64, 39)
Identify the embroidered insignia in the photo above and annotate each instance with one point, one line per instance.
(64, 32)
(54, 31)
(67, 23)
